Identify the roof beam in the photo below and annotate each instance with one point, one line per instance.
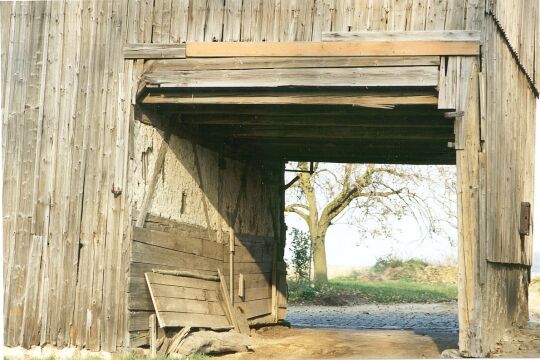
(253, 97)
(326, 77)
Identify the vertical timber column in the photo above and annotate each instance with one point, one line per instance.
(469, 162)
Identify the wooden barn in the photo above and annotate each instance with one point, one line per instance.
(144, 144)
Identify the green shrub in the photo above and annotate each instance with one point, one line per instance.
(391, 262)
(301, 254)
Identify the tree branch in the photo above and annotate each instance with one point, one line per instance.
(294, 208)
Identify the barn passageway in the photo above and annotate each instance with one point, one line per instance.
(353, 111)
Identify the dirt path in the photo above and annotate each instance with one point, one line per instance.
(353, 332)
(362, 331)
(301, 343)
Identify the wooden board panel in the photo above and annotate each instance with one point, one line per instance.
(249, 267)
(194, 320)
(257, 293)
(137, 269)
(154, 51)
(167, 304)
(177, 241)
(181, 281)
(256, 307)
(441, 35)
(330, 77)
(172, 309)
(338, 48)
(151, 254)
(244, 63)
(140, 299)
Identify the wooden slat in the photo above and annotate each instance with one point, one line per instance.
(256, 307)
(187, 305)
(139, 298)
(338, 48)
(154, 51)
(329, 77)
(368, 118)
(137, 269)
(157, 255)
(249, 267)
(181, 281)
(187, 243)
(174, 310)
(288, 98)
(448, 83)
(343, 132)
(194, 320)
(441, 35)
(244, 63)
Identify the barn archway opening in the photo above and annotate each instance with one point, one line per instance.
(266, 110)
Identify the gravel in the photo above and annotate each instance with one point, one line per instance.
(425, 317)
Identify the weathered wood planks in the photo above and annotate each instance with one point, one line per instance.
(245, 63)
(251, 97)
(154, 51)
(338, 48)
(327, 77)
(172, 309)
(441, 35)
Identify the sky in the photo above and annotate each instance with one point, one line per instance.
(345, 246)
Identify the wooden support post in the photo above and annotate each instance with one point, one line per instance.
(471, 262)
(275, 253)
(231, 264)
(152, 332)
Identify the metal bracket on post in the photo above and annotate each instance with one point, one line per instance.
(525, 219)
(310, 171)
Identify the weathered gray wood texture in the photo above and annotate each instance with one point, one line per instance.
(65, 132)
(506, 166)
(170, 245)
(495, 160)
(66, 145)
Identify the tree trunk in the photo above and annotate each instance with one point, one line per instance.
(319, 256)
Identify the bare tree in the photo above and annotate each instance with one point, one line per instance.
(372, 192)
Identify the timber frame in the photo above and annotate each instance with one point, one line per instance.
(152, 135)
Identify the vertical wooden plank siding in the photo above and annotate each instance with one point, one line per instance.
(508, 134)
(63, 118)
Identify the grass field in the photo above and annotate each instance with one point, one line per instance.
(353, 292)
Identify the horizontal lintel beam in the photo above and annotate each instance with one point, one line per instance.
(398, 76)
(370, 101)
(333, 49)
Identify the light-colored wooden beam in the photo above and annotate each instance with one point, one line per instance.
(447, 35)
(333, 49)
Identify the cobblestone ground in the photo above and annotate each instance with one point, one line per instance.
(426, 317)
